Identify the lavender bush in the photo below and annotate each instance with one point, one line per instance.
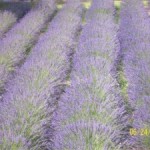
(135, 46)
(7, 19)
(100, 7)
(18, 8)
(90, 114)
(23, 110)
(10, 13)
(21, 37)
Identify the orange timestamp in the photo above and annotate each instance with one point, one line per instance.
(139, 132)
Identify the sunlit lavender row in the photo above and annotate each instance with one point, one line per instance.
(135, 46)
(90, 114)
(21, 37)
(23, 110)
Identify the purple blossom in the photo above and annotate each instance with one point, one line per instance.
(135, 46)
(99, 8)
(22, 36)
(23, 110)
(90, 114)
(7, 19)
(10, 14)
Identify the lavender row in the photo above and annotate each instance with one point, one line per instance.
(23, 110)
(10, 13)
(7, 19)
(100, 7)
(90, 114)
(21, 37)
(135, 46)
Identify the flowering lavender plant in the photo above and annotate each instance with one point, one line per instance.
(10, 13)
(23, 110)
(135, 46)
(7, 19)
(21, 37)
(90, 114)
(100, 7)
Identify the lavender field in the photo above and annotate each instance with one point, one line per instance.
(75, 75)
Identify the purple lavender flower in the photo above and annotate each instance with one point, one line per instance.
(10, 14)
(90, 114)
(100, 7)
(7, 19)
(22, 36)
(135, 45)
(23, 110)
